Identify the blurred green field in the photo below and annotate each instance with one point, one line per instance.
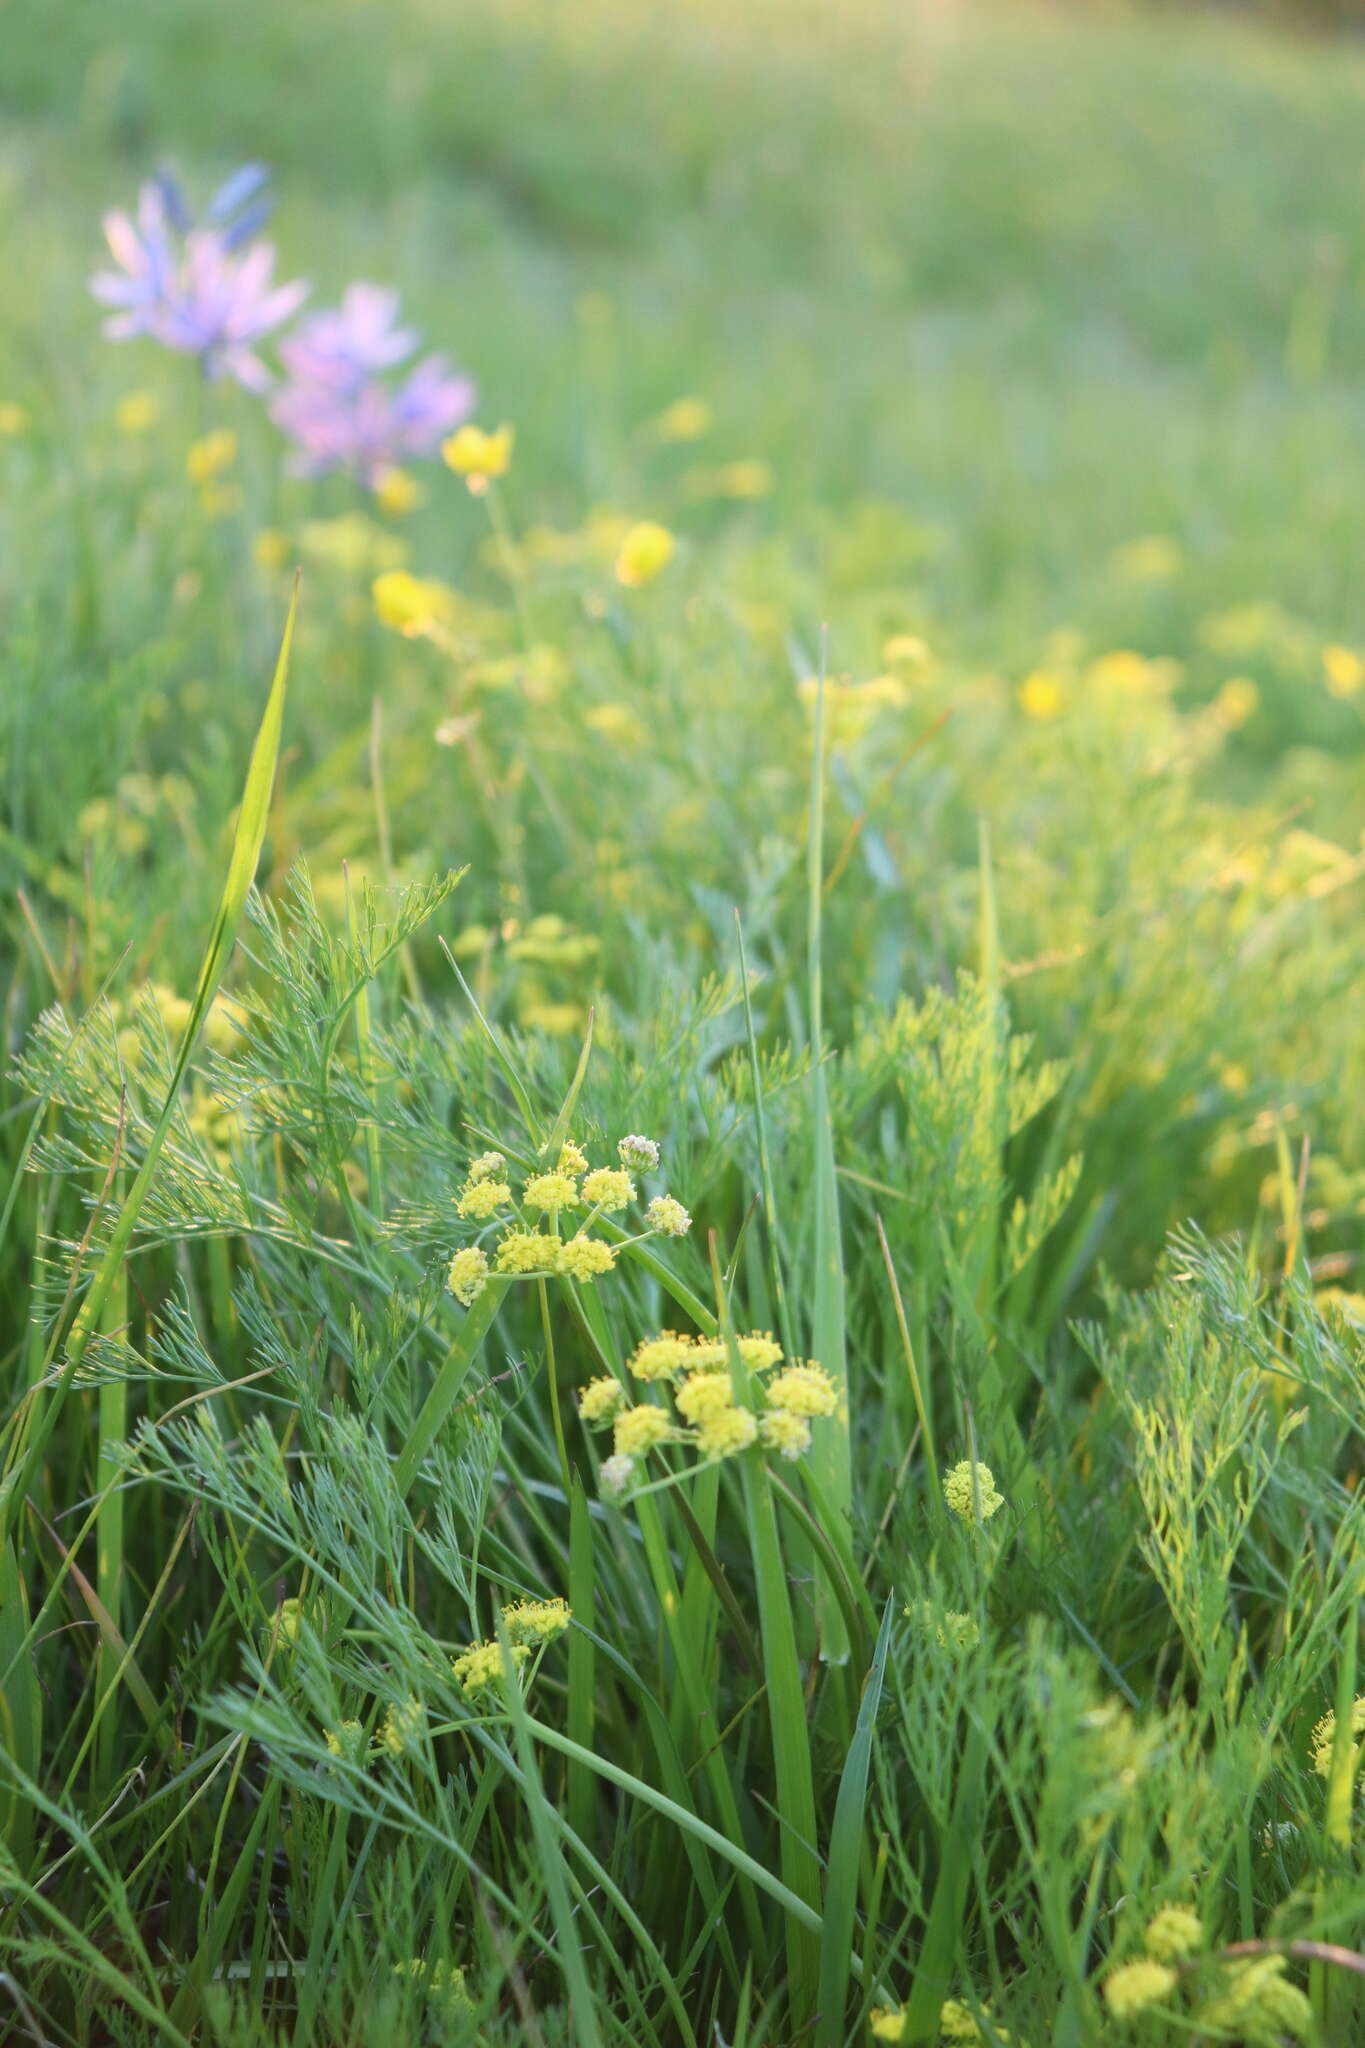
(1028, 352)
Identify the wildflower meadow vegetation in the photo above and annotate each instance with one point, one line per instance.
(683, 1117)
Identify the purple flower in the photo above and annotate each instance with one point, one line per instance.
(336, 406)
(187, 286)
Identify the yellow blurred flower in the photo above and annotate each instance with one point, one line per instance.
(646, 549)
(1236, 703)
(1343, 671)
(352, 544)
(396, 493)
(13, 418)
(618, 724)
(1155, 558)
(270, 549)
(749, 478)
(478, 457)
(208, 457)
(1128, 674)
(907, 649)
(1041, 695)
(687, 419)
(412, 605)
(137, 412)
(221, 501)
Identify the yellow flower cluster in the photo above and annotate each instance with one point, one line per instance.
(955, 2023)
(571, 1184)
(402, 1725)
(709, 1413)
(969, 1490)
(1132, 1987)
(1324, 1736)
(529, 1623)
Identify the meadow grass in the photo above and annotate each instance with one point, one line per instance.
(911, 925)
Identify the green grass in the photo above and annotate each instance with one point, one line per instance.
(994, 1005)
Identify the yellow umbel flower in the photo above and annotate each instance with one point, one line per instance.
(644, 553)
(668, 1217)
(657, 1357)
(760, 1350)
(468, 1275)
(396, 493)
(609, 1189)
(1174, 1932)
(481, 1665)
(601, 1401)
(482, 1199)
(616, 1475)
(536, 1621)
(13, 418)
(955, 2023)
(525, 1251)
(572, 1159)
(1324, 1736)
(640, 1153)
(347, 1740)
(786, 1433)
(803, 1390)
(402, 1725)
(969, 1490)
(1134, 1986)
(725, 1430)
(211, 455)
(550, 1192)
(702, 1394)
(638, 1430)
(887, 2025)
(583, 1258)
(488, 1166)
(136, 413)
(1258, 1994)
(478, 457)
(1236, 703)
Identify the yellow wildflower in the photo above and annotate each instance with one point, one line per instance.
(641, 1153)
(1236, 703)
(208, 457)
(639, 1429)
(887, 2025)
(785, 1432)
(748, 478)
(657, 1357)
(482, 1199)
(549, 1193)
(1155, 558)
(601, 1401)
(617, 724)
(468, 1275)
(536, 1621)
(609, 1189)
(412, 605)
(1324, 1736)
(955, 2022)
(1258, 1993)
(583, 1258)
(572, 1159)
(1174, 1932)
(687, 419)
(906, 648)
(646, 550)
(402, 1725)
(136, 412)
(13, 418)
(270, 549)
(487, 1165)
(478, 457)
(724, 1430)
(289, 1620)
(347, 1740)
(481, 1665)
(1343, 671)
(1041, 695)
(965, 1485)
(396, 493)
(668, 1217)
(760, 1350)
(525, 1251)
(702, 1394)
(1134, 1986)
(803, 1390)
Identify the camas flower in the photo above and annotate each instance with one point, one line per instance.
(188, 286)
(336, 406)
